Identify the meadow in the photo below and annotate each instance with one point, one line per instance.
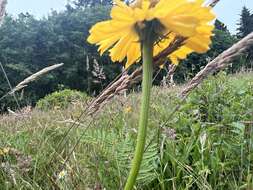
(207, 143)
(94, 97)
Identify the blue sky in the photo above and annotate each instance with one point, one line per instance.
(227, 11)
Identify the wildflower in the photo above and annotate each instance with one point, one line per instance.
(128, 109)
(62, 174)
(144, 29)
(170, 133)
(6, 150)
(169, 18)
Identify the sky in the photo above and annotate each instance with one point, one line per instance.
(227, 11)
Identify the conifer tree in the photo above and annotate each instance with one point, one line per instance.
(245, 23)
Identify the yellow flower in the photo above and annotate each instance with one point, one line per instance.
(6, 150)
(198, 43)
(121, 35)
(128, 109)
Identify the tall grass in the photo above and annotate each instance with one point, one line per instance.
(207, 144)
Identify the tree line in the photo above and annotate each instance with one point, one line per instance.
(28, 44)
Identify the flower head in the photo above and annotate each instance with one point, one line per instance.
(168, 18)
(128, 109)
(62, 174)
(4, 151)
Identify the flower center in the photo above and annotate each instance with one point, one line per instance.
(150, 30)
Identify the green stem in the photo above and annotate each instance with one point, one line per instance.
(147, 56)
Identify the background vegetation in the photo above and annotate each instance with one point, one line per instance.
(28, 45)
(207, 144)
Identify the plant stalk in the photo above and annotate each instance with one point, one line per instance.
(147, 57)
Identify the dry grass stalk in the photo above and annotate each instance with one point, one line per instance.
(35, 76)
(116, 88)
(31, 78)
(71, 121)
(3, 4)
(22, 113)
(213, 3)
(220, 62)
(168, 80)
(98, 72)
(126, 80)
(162, 56)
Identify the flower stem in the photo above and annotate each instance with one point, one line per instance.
(147, 56)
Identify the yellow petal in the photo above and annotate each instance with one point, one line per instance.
(133, 54)
(187, 18)
(199, 44)
(182, 25)
(119, 51)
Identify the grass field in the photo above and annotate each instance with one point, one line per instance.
(206, 144)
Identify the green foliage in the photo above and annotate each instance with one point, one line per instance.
(214, 146)
(114, 151)
(61, 99)
(246, 23)
(245, 27)
(28, 45)
(219, 100)
(207, 144)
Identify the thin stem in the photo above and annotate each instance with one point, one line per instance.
(11, 88)
(147, 53)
